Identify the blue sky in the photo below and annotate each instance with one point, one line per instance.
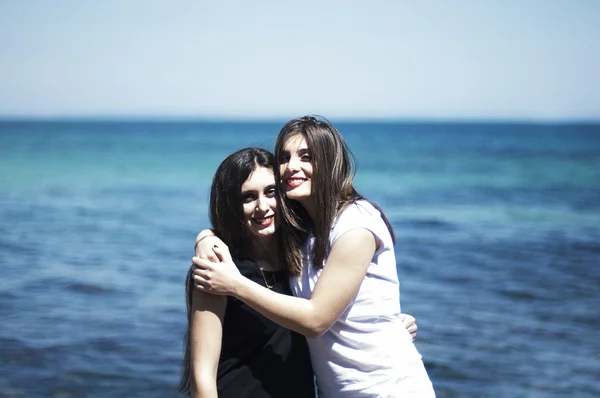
(526, 60)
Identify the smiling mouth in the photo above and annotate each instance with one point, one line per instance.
(264, 221)
(295, 182)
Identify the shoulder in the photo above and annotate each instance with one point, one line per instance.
(360, 211)
(359, 214)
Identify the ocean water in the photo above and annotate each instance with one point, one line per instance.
(498, 250)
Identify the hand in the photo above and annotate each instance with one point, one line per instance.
(204, 246)
(221, 277)
(411, 325)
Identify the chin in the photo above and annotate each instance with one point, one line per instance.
(297, 194)
(266, 232)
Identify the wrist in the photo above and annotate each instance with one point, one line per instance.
(239, 286)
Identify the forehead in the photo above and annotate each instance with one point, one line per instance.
(295, 143)
(258, 179)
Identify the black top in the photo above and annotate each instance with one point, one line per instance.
(260, 359)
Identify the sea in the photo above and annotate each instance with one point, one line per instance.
(498, 249)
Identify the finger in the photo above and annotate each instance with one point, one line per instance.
(199, 285)
(209, 260)
(210, 256)
(199, 281)
(408, 319)
(202, 263)
(202, 273)
(412, 329)
(217, 254)
(411, 326)
(222, 252)
(203, 246)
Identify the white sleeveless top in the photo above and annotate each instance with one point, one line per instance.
(368, 351)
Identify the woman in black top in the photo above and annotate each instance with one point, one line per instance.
(232, 350)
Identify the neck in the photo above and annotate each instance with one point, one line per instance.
(265, 251)
(309, 206)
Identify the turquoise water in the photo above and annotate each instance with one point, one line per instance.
(498, 250)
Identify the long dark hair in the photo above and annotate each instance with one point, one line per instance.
(186, 371)
(334, 168)
(226, 217)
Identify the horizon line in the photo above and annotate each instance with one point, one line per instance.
(132, 118)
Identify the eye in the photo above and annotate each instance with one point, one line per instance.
(270, 192)
(284, 158)
(248, 197)
(305, 155)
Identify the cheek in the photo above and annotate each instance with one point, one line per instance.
(310, 186)
(273, 204)
(309, 170)
(248, 210)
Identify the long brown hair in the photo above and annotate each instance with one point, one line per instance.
(334, 168)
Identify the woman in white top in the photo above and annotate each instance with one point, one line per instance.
(339, 249)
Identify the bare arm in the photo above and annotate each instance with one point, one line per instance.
(205, 342)
(338, 283)
(205, 338)
(205, 250)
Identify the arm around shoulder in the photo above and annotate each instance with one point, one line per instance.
(338, 283)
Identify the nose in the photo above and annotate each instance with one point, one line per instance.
(262, 203)
(294, 163)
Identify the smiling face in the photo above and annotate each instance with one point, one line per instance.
(259, 202)
(296, 169)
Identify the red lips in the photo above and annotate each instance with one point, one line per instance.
(294, 182)
(264, 221)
